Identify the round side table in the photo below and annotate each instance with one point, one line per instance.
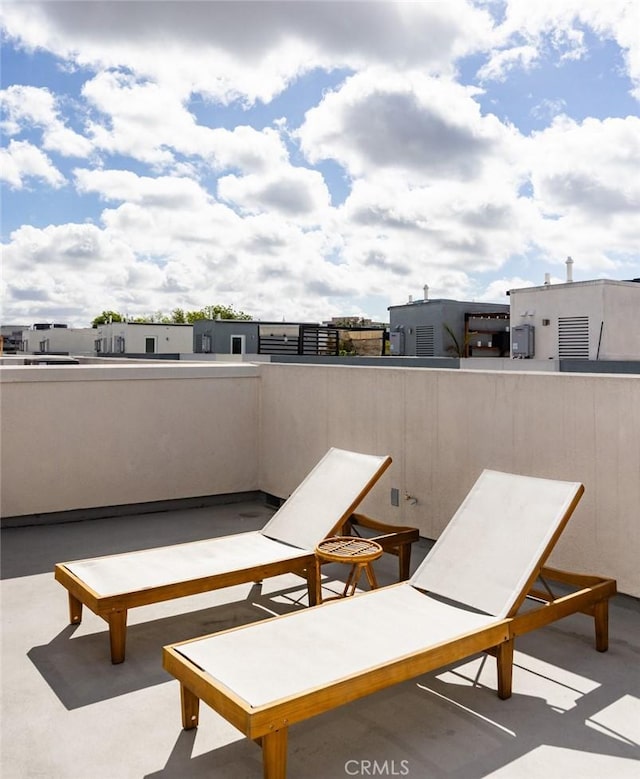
(359, 553)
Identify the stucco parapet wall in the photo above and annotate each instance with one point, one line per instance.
(554, 375)
(31, 373)
(542, 371)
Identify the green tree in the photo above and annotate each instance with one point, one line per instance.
(216, 312)
(158, 317)
(177, 316)
(105, 317)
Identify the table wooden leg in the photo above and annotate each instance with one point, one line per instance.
(190, 706)
(274, 754)
(117, 635)
(352, 580)
(75, 610)
(371, 576)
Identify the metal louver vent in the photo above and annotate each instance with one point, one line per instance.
(573, 337)
(424, 341)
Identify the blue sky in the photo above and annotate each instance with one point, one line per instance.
(304, 160)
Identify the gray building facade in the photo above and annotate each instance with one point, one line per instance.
(238, 336)
(421, 329)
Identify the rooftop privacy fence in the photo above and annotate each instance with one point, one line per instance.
(79, 437)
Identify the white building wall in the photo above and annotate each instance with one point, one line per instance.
(75, 340)
(614, 305)
(169, 339)
(621, 331)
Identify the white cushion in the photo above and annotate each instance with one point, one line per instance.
(325, 498)
(495, 540)
(314, 648)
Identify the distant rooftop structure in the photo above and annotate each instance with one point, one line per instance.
(253, 337)
(146, 339)
(440, 328)
(597, 319)
(567, 285)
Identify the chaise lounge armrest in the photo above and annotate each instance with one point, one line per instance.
(394, 539)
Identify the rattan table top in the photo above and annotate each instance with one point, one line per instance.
(344, 549)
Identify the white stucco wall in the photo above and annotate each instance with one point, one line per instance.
(89, 436)
(443, 427)
(86, 436)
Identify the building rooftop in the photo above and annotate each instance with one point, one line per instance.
(580, 284)
(68, 713)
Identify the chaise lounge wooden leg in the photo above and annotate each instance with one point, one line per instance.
(117, 635)
(274, 754)
(404, 562)
(504, 658)
(314, 584)
(190, 705)
(601, 616)
(75, 610)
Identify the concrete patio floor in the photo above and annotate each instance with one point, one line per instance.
(67, 712)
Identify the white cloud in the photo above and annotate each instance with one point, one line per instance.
(550, 24)
(251, 50)
(165, 191)
(589, 173)
(151, 123)
(435, 183)
(496, 291)
(250, 150)
(297, 193)
(26, 106)
(59, 271)
(139, 117)
(505, 60)
(422, 128)
(21, 160)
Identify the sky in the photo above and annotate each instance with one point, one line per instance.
(307, 160)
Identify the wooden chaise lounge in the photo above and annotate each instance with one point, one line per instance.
(320, 506)
(464, 599)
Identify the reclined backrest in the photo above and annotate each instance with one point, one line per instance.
(326, 498)
(492, 550)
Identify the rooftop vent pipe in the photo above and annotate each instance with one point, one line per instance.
(547, 279)
(410, 299)
(426, 292)
(569, 264)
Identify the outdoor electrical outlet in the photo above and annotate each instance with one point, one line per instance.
(395, 497)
